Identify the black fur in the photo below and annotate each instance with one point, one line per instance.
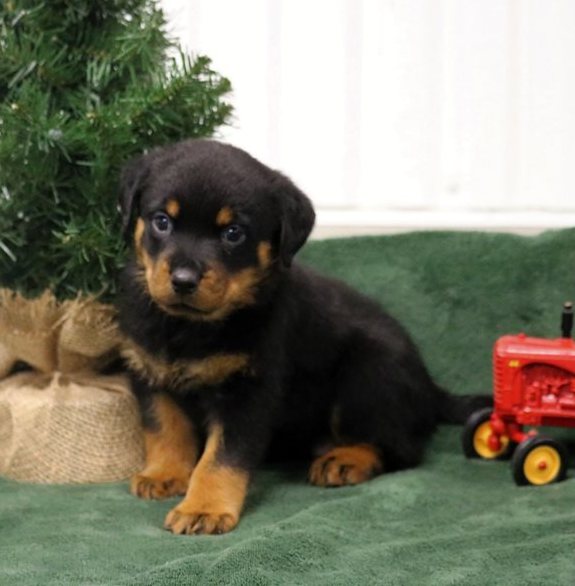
(326, 364)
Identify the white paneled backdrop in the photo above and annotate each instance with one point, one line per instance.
(402, 114)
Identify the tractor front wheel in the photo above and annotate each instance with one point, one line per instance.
(539, 460)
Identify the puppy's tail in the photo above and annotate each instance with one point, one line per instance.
(457, 408)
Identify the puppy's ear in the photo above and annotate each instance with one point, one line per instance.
(132, 181)
(297, 218)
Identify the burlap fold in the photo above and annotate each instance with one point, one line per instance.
(64, 421)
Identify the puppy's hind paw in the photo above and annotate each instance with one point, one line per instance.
(345, 465)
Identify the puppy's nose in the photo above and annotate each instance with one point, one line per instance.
(185, 280)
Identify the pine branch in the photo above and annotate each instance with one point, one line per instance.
(84, 86)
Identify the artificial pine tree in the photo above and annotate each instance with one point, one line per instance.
(84, 86)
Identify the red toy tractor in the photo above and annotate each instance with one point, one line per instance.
(534, 385)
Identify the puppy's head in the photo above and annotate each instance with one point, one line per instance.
(209, 226)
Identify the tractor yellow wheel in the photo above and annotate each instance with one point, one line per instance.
(475, 438)
(542, 465)
(481, 442)
(539, 460)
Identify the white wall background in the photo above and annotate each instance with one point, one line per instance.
(401, 114)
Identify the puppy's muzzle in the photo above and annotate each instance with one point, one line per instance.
(185, 280)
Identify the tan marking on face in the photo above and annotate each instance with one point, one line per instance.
(221, 292)
(171, 453)
(346, 465)
(182, 375)
(215, 496)
(173, 207)
(218, 294)
(211, 289)
(138, 235)
(158, 278)
(156, 272)
(224, 217)
(242, 287)
(265, 254)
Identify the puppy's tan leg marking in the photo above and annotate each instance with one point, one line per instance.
(215, 495)
(346, 465)
(171, 454)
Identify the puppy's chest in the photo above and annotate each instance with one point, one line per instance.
(185, 373)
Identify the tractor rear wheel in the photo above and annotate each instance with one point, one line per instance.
(475, 438)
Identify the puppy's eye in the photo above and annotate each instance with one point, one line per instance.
(233, 235)
(162, 223)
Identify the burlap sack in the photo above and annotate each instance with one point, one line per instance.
(64, 422)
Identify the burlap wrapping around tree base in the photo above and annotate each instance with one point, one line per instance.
(63, 421)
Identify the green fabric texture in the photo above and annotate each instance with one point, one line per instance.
(450, 521)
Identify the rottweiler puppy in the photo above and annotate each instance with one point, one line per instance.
(237, 354)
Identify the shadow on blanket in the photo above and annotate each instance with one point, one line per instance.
(451, 521)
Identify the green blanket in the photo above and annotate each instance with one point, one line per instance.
(451, 521)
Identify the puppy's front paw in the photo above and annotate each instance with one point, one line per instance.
(199, 522)
(345, 465)
(149, 487)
